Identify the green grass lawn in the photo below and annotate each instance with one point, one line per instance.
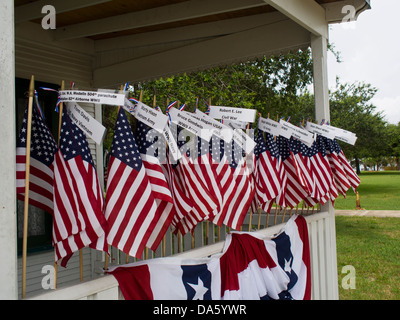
(372, 247)
(378, 191)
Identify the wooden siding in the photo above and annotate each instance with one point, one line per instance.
(53, 62)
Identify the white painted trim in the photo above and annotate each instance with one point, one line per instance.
(8, 200)
(307, 13)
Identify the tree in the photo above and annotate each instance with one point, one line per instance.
(352, 110)
(393, 133)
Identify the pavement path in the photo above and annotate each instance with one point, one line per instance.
(369, 213)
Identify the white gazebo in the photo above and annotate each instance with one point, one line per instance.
(103, 44)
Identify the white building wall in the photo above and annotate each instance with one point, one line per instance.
(8, 226)
(49, 61)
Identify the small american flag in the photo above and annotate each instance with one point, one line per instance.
(241, 191)
(350, 173)
(204, 202)
(326, 168)
(292, 190)
(131, 209)
(78, 197)
(340, 177)
(152, 150)
(267, 173)
(43, 150)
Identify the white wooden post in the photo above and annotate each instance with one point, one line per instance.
(8, 221)
(319, 47)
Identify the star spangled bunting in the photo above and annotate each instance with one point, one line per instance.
(43, 150)
(152, 150)
(131, 209)
(78, 198)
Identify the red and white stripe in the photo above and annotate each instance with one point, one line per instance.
(131, 210)
(163, 197)
(40, 182)
(78, 210)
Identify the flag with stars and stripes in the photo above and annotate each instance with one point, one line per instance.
(43, 149)
(78, 197)
(152, 150)
(339, 175)
(131, 209)
(352, 177)
(267, 173)
(292, 191)
(204, 201)
(325, 169)
(241, 190)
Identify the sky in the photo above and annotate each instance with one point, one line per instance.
(370, 50)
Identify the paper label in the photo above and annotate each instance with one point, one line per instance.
(270, 126)
(303, 135)
(238, 124)
(233, 114)
(221, 131)
(89, 125)
(150, 116)
(108, 98)
(321, 130)
(242, 139)
(173, 146)
(343, 135)
(188, 122)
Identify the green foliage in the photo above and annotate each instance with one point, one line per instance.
(276, 87)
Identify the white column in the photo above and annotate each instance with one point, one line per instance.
(319, 47)
(8, 221)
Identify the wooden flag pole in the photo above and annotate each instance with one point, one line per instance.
(27, 172)
(60, 111)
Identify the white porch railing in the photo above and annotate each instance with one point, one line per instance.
(321, 230)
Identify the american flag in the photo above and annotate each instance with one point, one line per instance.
(204, 202)
(326, 168)
(182, 203)
(131, 209)
(340, 178)
(352, 177)
(292, 191)
(78, 197)
(267, 169)
(153, 152)
(43, 150)
(240, 192)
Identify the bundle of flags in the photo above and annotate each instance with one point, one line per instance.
(288, 172)
(250, 267)
(147, 192)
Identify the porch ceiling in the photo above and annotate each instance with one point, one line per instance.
(128, 34)
(74, 15)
